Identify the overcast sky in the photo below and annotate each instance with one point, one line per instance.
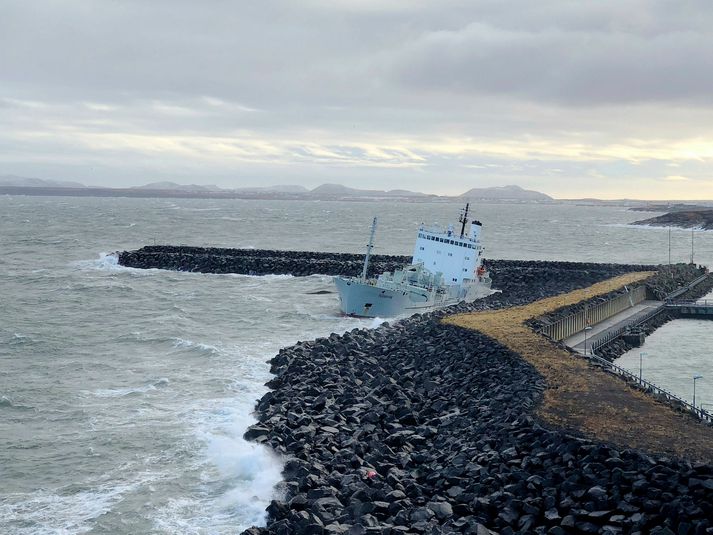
(593, 98)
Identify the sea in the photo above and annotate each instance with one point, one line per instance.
(124, 393)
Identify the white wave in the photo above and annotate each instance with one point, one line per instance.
(239, 477)
(190, 344)
(47, 512)
(121, 392)
(262, 277)
(105, 262)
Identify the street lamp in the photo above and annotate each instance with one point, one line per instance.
(587, 328)
(695, 378)
(641, 363)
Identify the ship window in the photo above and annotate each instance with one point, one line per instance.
(421, 248)
(467, 257)
(465, 269)
(452, 242)
(450, 254)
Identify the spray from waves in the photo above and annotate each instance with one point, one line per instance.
(238, 477)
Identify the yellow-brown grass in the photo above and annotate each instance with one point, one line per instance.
(583, 398)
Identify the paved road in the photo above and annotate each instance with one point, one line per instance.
(602, 328)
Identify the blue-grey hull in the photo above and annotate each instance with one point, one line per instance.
(369, 301)
(358, 299)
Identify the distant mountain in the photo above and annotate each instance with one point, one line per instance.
(283, 188)
(177, 187)
(337, 190)
(25, 182)
(506, 193)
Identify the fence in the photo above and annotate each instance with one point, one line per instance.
(652, 388)
(575, 323)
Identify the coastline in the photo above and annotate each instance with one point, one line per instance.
(420, 426)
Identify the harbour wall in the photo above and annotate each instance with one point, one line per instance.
(520, 279)
(421, 427)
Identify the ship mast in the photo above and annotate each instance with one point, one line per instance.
(464, 220)
(368, 250)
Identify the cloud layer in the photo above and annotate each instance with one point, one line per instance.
(576, 99)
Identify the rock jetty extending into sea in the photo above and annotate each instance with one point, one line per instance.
(522, 280)
(425, 427)
(421, 426)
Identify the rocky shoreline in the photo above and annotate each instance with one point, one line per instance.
(696, 219)
(421, 427)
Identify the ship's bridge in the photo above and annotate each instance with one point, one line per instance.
(457, 257)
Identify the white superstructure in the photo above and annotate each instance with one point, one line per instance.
(455, 256)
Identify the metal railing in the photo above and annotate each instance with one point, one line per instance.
(681, 291)
(690, 303)
(654, 389)
(616, 333)
(576, 322)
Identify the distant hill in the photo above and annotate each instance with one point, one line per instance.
(506, 193)
(177, 187)
(26, 182)
(337, 190)
(283, 188)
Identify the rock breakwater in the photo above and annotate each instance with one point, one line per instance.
(521, 280)
(424, 427)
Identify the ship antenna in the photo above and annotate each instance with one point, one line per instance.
(464, 219)
(368, 250)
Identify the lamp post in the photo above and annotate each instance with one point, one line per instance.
(669, 248)
(641, 364)
(695, 378)
(587, 328)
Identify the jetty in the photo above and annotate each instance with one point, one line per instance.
(475, 423)
(593, 326)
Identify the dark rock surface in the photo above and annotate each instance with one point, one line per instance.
(420, 427)
(521, 280)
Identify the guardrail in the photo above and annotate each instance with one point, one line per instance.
(690, 303)
(616, 333)
(653, 388)
(576, 322)
(681, 291)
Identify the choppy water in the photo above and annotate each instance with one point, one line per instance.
(673, 355)
(124, 393)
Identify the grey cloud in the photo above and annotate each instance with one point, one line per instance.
(561, 67)
(360, 89)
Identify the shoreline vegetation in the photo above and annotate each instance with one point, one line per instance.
(583, 398)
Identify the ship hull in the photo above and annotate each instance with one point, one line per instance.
(369, 301)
